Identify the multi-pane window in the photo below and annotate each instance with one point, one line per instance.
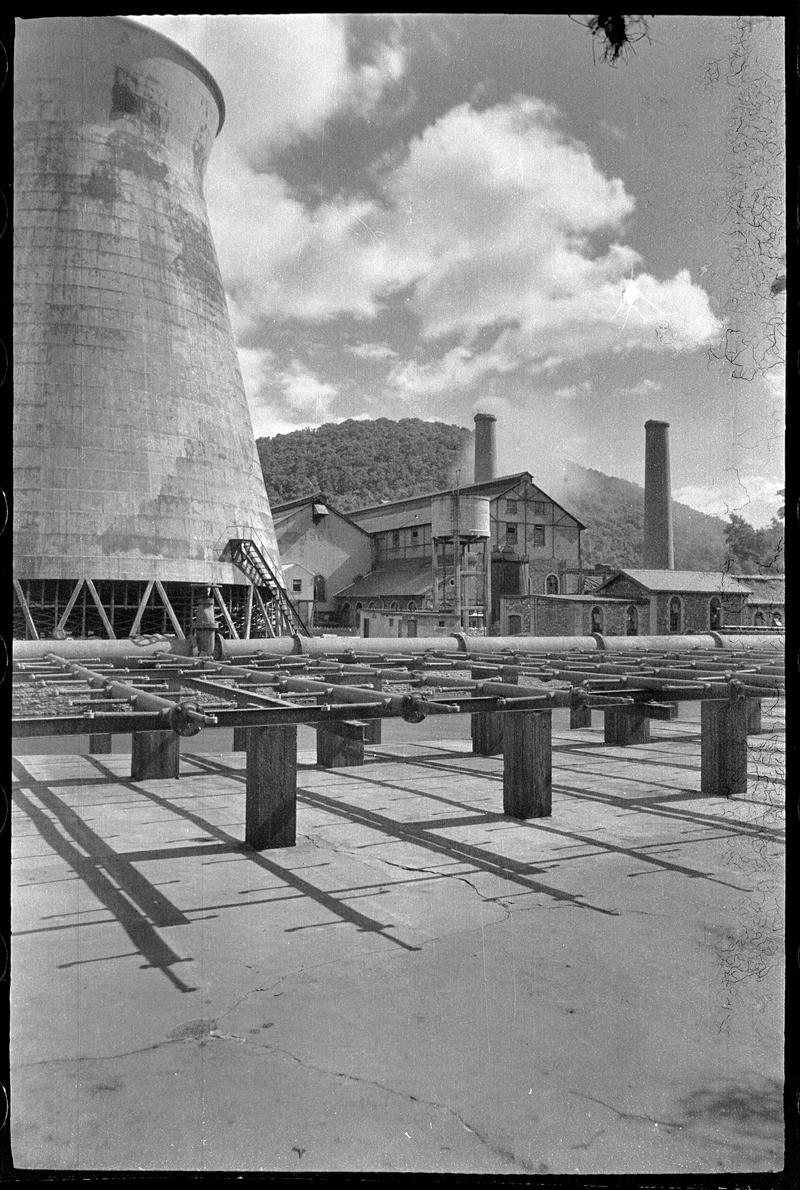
(538, 507)
(297, 585)
(511, 531)
(538, 534)
(511, 507)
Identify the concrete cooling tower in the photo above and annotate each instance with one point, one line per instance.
(137, 481)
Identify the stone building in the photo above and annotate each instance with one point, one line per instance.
(682, 601)
(573, 615)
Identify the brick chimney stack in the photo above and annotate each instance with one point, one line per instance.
(485, 447)
(657, 547)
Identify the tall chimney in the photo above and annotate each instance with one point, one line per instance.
(485, 447)
(657, 547)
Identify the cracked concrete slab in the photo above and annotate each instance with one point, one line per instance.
(420, 984)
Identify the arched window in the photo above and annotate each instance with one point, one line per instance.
(394, 606)
(715, 612)
(552, 585)
(359, 606)
(319, 588)
(597, 619)
(631, 620)
(412, 607)
(371, 605)
(675, 614)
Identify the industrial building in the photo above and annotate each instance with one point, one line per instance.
(322, 550)
(513, 538)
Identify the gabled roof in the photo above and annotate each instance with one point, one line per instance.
(765, 588)
(690, 582)
(402, 578)
(279, 511)
(489, 487)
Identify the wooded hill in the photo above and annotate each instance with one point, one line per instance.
(357, 463)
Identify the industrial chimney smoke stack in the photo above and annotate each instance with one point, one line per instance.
(657, 548)
(485, 447)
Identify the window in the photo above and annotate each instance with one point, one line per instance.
(538, 534)
(632, 620)
(371, 605)
(551, 584)
(758, 618)
(297, 585)
(412, 607)
(538, 507)
(511, 531)
(511, 507)
(394, 606)
(319, 588)
(414, 534)
(440, 623)
(514, 625)
(715, 612)
(396, 537)
(359, 606)
(597, 619)
(675, 614)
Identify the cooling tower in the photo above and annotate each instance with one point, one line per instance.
(657, 546)
(485, 447)
(134, 454)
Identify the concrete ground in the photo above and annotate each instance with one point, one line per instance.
(420, 984)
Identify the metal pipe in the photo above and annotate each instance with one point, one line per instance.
(412, 708)
(456, 643)
(184, 720)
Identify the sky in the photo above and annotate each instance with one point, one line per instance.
(432, 215)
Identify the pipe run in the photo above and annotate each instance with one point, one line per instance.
(183, 719)
(121, 651)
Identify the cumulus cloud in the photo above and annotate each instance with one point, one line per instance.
(754, 497)
(457, 369)
(282, 75)
(374, 351)
(488, 217)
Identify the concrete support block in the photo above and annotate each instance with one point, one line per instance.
(373, 733)
(580, 716)
(487, 733)
(271, 788)
(240, 739)
(100, 744)
(340, 745)
(155, 755)
(626, 725)
(723, 748)
(527, 764)
(753, 715)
